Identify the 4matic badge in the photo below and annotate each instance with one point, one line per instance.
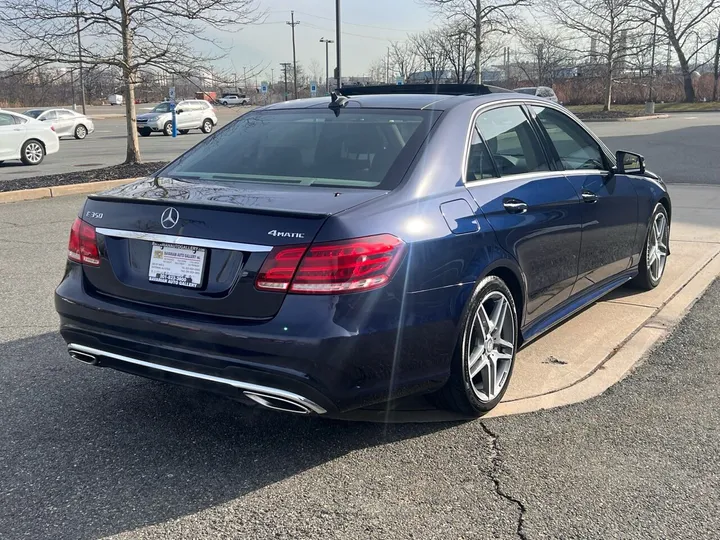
(285, 234)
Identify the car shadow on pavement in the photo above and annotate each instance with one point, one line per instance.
(89, 452)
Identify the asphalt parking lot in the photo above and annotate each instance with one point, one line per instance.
(89, 453)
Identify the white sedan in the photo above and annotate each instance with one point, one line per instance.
(25, 138)
(65, 122)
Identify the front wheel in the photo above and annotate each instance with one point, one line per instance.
(167, 129)
(207, 126)
(32, 152)
(654, 256)
(485, 355)
(81, 132)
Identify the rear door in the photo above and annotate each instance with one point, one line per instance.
(11, 137)
(610, 206)
(534, 210)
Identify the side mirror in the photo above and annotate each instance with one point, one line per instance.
(178, 111)
(629, 162)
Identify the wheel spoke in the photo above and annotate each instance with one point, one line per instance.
(652, 256)
(477, 363)
(503, 356)
(662, 249)
(491, 381)
(484, 320)
(505, 344)
(498, 315)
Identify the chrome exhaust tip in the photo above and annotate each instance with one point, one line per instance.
(85, 358)
(278, 403)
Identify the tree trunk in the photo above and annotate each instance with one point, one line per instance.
(716, 66)
(478, 42)
(133, 147)
(684, 64)
(607, 91)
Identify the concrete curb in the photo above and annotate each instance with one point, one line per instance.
(619, 363)
(628, 119)
(59, 191)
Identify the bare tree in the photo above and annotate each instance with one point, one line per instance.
(317, 71)
(599, 33)
(458, 43)
(681, 22)
(129, 35)
(403, 59)
(485, 17)
(430, 49)
(542, 52)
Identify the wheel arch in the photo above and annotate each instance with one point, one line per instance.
(514, 278)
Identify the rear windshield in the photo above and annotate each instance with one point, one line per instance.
(34, 113)
(530, 91)
(312, 147)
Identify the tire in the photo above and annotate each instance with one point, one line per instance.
(468, 393)
(653, 259)
(167, 129)
(145, 132)
(184, 131)
(32, 152)
(223, 103)
(80, 131)
(207, 126)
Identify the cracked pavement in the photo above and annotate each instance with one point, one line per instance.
(89, 453)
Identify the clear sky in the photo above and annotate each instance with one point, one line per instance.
(367, 27)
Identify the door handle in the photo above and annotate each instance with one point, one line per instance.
(515, 206)
(589, 196)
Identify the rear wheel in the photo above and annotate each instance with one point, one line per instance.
(207, 126)
(80, 131)
(485, 356)
(32, 152)
(654, 256)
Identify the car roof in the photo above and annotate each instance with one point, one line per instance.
(437, 102)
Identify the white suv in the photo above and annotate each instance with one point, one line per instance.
(235, 99)
(191, 114)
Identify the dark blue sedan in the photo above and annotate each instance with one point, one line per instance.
(323, 255)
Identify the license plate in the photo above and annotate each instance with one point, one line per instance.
(175, 264)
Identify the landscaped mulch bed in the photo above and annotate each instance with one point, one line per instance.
(116, 172)
(608, 115)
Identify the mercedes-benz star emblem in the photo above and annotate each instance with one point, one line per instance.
(169, 218)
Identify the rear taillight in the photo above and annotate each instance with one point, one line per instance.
(360, 264)
(82, 246)
(52, 128)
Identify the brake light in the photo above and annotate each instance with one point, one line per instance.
(359, 264)
(52, 127)
(82, 246)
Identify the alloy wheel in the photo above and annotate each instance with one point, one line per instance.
(490, 346)
(80, 132)
(34, 152)
(657, 247)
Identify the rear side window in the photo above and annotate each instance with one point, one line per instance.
(511, 141)
(51, 115)
(65, 114)
(574, 146)
(480, 164)
(362, 148)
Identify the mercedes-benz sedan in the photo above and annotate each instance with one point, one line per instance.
(361, 248)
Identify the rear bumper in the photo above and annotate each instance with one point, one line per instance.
(333, 354)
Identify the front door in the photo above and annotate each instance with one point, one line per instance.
(534, 211)
(610, 206)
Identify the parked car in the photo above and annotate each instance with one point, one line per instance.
(115, 99)
(190, 114)
(26, 139)
(345, 255)
(235, 99)
(539, 91)
(66, 123)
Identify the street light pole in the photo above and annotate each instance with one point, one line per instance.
(652, 60)
(337, 42)
(80, 57)
(293, 24)
(285, 66)
(327, 43)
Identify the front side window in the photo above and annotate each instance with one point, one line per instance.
(310, 147)
(511, 141)
(575, 147)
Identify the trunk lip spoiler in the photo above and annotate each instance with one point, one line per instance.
(184, 240)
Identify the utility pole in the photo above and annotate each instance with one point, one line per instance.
(478, 42)
(387, 67)
(337, 42)
(285, 66)
(716, 70)
(80, 57)
(652, 60)
(293, 24)
(72, 89)
(327, 43)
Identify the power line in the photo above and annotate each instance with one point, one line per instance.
(347, 23)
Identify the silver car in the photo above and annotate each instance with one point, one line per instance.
(190, 114)
(64, 122)
(539, 91)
